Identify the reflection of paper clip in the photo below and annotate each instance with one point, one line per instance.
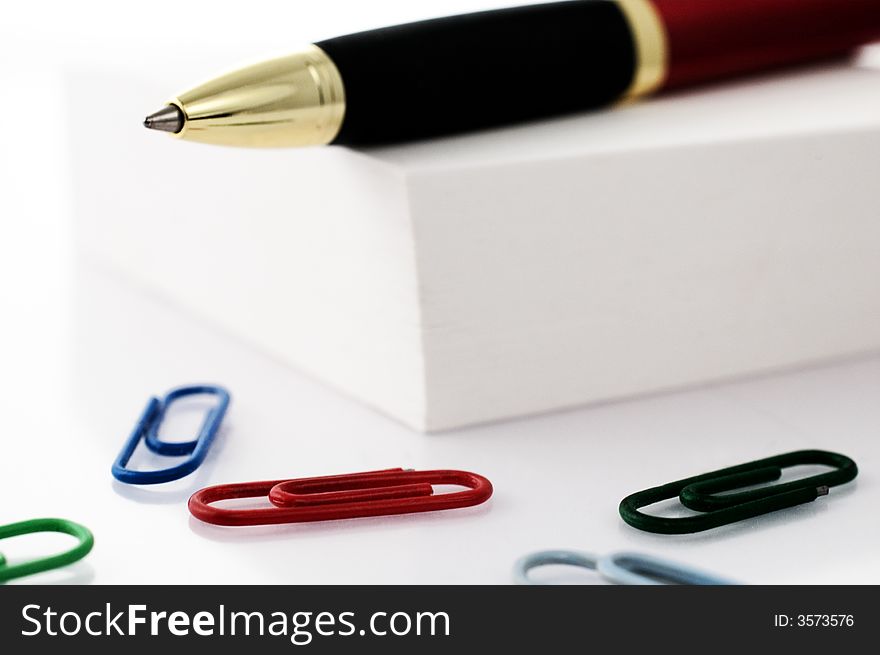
(147, 428)
(619, 568)
(699, 493)
(377, 493)
(82, 548)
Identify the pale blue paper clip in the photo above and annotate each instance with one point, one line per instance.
(618, 568)
(546, 557)
(147, 428)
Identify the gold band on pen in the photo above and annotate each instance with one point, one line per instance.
(297, 100)
(651, 46)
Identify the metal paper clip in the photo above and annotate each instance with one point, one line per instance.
(699, 492)
(147, 428)
(619, 568)
(83, 535)
(376, 493)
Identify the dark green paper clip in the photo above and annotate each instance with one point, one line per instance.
(699, 493)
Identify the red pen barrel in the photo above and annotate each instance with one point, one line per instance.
(713, 39)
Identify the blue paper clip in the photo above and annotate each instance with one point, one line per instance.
(638, 569)
(618, 568)
(147, 428)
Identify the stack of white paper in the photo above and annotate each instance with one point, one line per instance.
(685, 239)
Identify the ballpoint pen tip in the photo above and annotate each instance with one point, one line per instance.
(167, 119)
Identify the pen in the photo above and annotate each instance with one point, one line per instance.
(473, 71)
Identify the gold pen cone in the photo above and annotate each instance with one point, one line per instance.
(297, 100)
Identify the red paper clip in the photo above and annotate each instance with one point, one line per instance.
(377, 493)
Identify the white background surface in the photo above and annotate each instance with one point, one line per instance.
(81, 350)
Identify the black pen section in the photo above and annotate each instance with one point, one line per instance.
(479, 70)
